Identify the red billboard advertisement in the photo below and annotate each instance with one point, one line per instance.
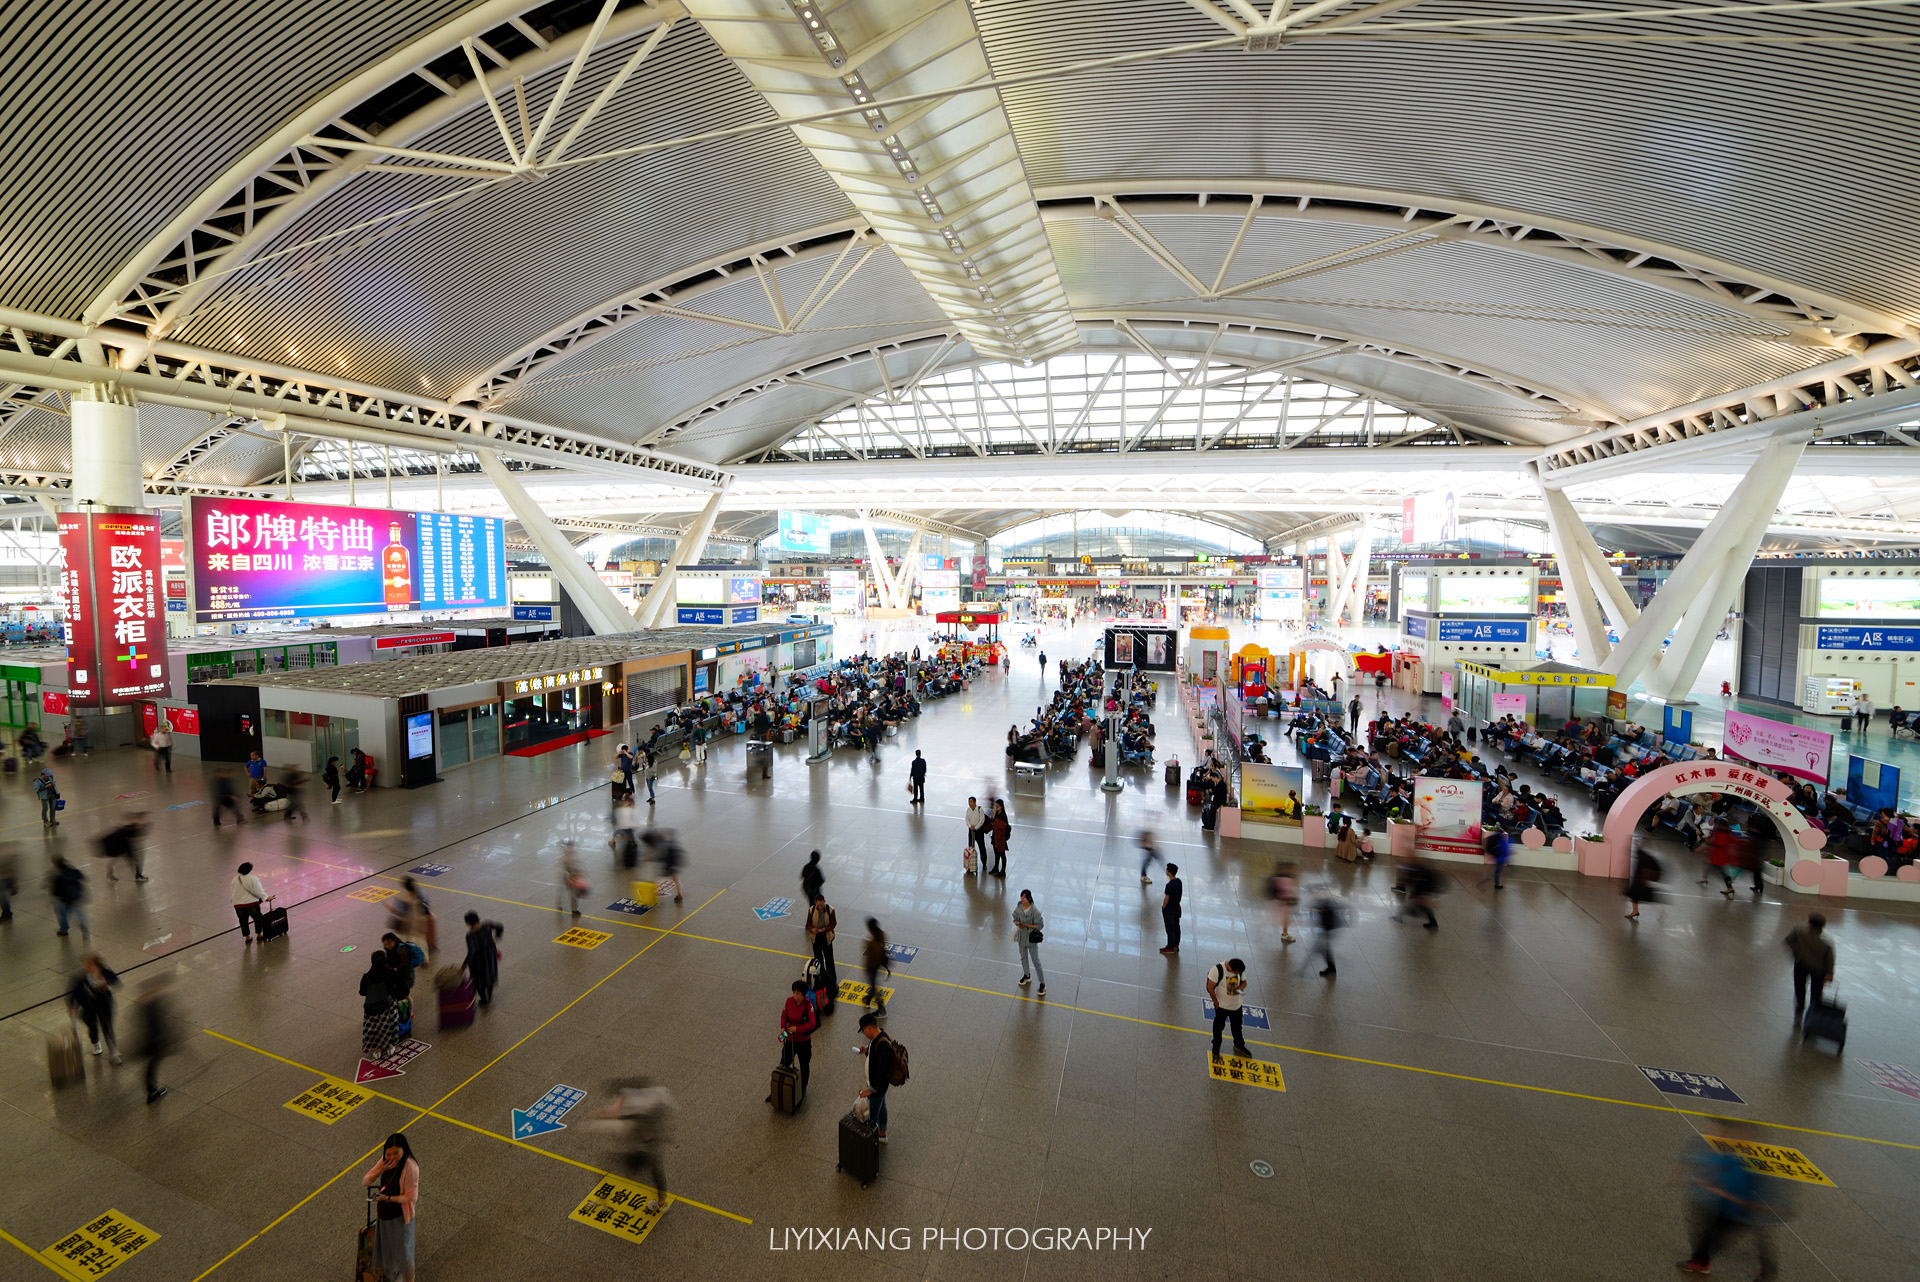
(183, 720)
(55, 702)
(111, 587)
(413, 639)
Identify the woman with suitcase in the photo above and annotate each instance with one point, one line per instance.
(247, 894)
(394, 1182)
(380, 1023)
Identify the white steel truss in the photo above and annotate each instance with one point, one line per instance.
(346, 133)
(1103, 402)
(941, 181)
(175, 374)
(1792, 312)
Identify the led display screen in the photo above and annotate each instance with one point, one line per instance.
(1484, 595)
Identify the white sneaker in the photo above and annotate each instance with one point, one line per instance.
(653, 1206)
(1024, 980)
(98, 1049)
(114, 1058)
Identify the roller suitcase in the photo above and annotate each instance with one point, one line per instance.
(786, 1092)
(814, 975)
(457, 1005)
(366, 1265)
(859, 1149)
(1827, 1021)
(273, 925)
(1173, 774)
(64, 1065)
(1193, 794)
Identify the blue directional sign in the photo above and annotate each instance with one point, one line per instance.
(902, 954)
(533, 613)
(430, 870)
(629, 907)
(1251, 1016)
(773, 908)
(1672, 1081)
(545, 1115)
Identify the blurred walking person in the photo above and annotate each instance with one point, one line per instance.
(90, 998)
(1726, 1199)
(483, 955)
(873, 955)
(68, 885)
(641, 1110)
(1812, 960)
(1284, 889)
(123, 842)
(1149, 854)
(1327, 917)
(161, 741)
(226, 796)
(156, 1037)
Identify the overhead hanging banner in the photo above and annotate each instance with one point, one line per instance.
(115, 607)
(264, 559)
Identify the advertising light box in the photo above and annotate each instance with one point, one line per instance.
(264, 559)
(805, 532)
(116, 631)
(699, 591)
(1870, 598)
(1501, 595)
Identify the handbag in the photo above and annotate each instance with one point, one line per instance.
(1035, 937)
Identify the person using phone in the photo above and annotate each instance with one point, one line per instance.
(1225, 983)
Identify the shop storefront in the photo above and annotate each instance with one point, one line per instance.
(554, 705)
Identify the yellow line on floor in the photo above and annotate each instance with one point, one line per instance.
(430, 1109)
(1200, 1032)
(40, 1259)
(454, 1121)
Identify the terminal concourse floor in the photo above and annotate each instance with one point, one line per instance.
(1458, 1103)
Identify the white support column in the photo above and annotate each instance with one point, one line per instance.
(595, 600)
(1614, 598)
(1700, 626)
(1733, 534)
(1583, 606)
(880, 574)
(659, 598)
(1354, 595)
(909, 571)
(1336, 576)
(106, 453)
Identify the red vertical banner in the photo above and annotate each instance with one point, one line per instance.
(112, 590)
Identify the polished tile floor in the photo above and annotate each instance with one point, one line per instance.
(1459, 1103)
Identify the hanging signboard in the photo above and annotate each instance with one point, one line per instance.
(115, 607)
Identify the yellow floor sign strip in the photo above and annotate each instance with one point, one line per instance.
(618, 1207)
(99, 1245)
(372, 894)
(1771, 1159)
(329, 1099)
(581, 937)
(852, 990)
(1247, 1072)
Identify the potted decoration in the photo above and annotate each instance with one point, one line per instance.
(1313, 826)
(1596, 855)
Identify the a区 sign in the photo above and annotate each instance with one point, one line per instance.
(116, 607)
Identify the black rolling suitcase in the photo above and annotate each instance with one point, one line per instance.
(1826, 1020)
(1173, 774)
(786, 1092)
(1209, 814)
(273, 925)
(859, 1149)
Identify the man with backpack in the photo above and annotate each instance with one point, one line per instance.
(886, 1068)
(49, 794)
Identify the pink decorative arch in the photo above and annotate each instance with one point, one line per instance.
(1331, 647)
(1803, 840)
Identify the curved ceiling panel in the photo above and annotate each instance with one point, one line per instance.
(119, 115)
(1727, 148)
(430, 301)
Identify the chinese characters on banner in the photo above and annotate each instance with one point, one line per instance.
(1792, 749)
(264, 559)
(111, 590)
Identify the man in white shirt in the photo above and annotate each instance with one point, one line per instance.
(1864, 710)
(976, 827)
(1225, 983)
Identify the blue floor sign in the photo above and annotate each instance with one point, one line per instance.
(629, 907)
(1697, 1085)
(902, 954)
(773, 908)
(546, 1113)
(1251, 1016)
(430, 870)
